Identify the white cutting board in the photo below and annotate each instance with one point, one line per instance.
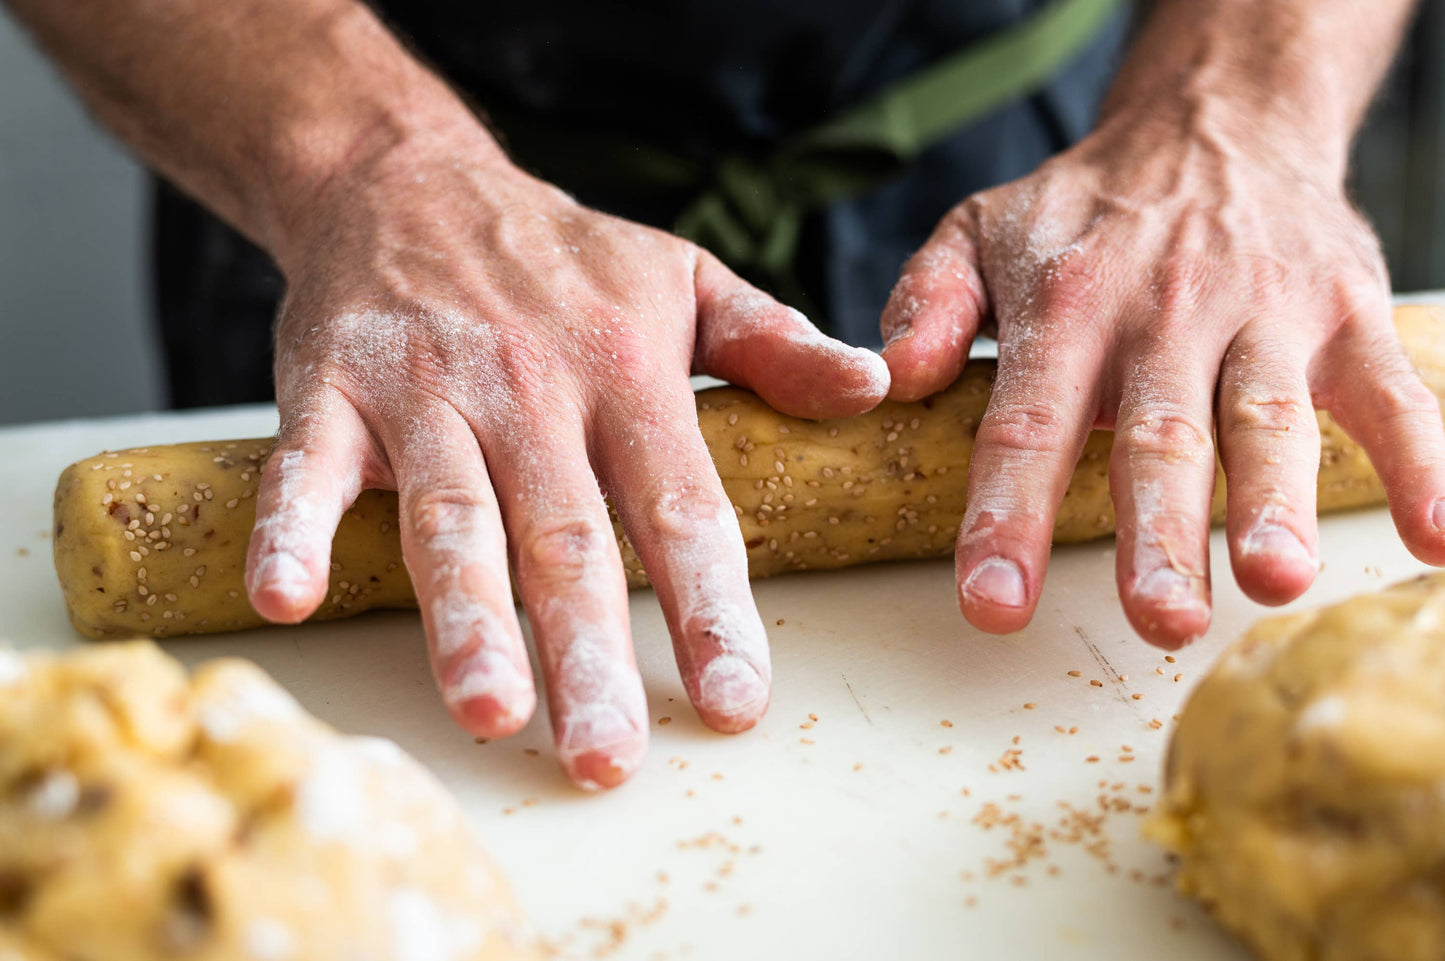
(848, 838)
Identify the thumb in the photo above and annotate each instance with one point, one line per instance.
(935, 310)
(747, 338)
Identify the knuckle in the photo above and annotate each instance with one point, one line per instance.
(1070, 284)
(1403, 397)
(565, 549)
(1359, 298)
(1179, 286)
(1023, 426)
(446, 511)
(1270, 279)
(1166, 435)
(688, 513)
(1269, 412)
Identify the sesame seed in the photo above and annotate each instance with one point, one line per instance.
(1094, 683)
(1076, 674)
(135, 556)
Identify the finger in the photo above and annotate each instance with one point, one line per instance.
(1269, 442)
(569, 574)
(686, 534)
(1161, 473)
(312, 476)
(1024, 453)
(455, 550)
(1368, 385)
(934, 311)
(749, 339)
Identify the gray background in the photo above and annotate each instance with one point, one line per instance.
(74, 332)
(75, 337)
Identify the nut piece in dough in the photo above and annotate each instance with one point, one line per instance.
(1305, 788)
(146, 814)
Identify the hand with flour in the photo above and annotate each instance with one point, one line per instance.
(1194, 265)
(472, 337)
(476, 340)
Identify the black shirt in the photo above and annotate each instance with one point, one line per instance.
(698, 78)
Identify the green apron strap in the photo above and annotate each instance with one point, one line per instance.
(913, 114)
(750, 212)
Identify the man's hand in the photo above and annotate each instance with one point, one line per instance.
(1193, 265)
(472, 337)
(476, 340)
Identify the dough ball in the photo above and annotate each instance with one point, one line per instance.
(146, 814)
(1305, 787)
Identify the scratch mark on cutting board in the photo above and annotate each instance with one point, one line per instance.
(861, 709)
(1104, 664)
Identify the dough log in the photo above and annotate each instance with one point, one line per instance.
(147, 814)
(1303, 790)
(153, 540)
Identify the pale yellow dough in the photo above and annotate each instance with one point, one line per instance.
(150, 816)
(153, 540)
(1305, 793)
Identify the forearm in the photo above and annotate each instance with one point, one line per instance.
(1298, 74)
(249, 106)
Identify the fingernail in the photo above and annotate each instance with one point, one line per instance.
(1438, 514)
(489, 684)
(730, 685)
(595, 727)
(599, 747)
(899, 332)
(281, 572)
(1278, 541)
(1166, 587)
(997, 580)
